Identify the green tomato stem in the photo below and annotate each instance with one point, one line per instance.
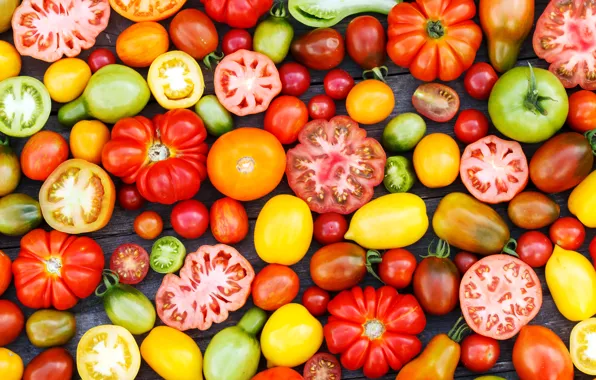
(108, 276)
(442, 249)
(533, 99)
(378, 73)
(278, 10)
(590, 135)
(4, 141)
(373, 257)
(212, 59)
(435, 29)
(253, 321)
(510, 248)
(458, 330)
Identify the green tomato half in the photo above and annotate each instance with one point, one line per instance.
(399, 175)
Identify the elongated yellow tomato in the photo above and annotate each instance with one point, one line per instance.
(436, 160)
(283, 232)
(66, 79)
(391, 221)
(291, 336)
(11, 365)
(370, 101)
(172, 354)
(582, 346)
(10, 60)
(582, 201)
(571, 279)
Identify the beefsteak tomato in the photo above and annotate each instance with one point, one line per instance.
(242, 14)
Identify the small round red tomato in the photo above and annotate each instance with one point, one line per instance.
(321, 107)
(582, 111)
(275, 286)
(464, 260)
(479, 353)
(236, 39)
(193, 32)
(148, 225)
(129, 197)
(5, 272)
(480, 80)
(366, 42)
(285, 118)
(471, 126)
(568, 233)
(315, 300)
(592, 250)
(53, 364)
(436, 101)
(228, 220)
(338, 83)
(534, 248)
(131, 262)
(397, 268)
(330, 228)
(43, 153)
(12, 321)
(295, 79)
(277, 373)
(100, 58)
(190, 219)
(322, 366)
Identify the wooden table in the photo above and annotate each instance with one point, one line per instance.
(90, 312)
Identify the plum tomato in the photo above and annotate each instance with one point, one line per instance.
(479, 80)
(190, 219)
(53, 364)
(470, 126)
(185, 28)
(148, 225)
(274, 286)
(534, 248)
(366, 42)
(130, 262)
(338, 83)
(592, 250)
(99, 58)
(338, 266)
(322, 366)
(285, 118)
(315, 300)
(435, 101)
(43, 153)
(321, 107)
(295, 79)
(479, 353)
(236, 39)
(464, 260)
(319, 49)
(397, 268)
(12, 322)
(330, 228)
(129, 197)
(582, 111)
(228, 220)
(568, 233)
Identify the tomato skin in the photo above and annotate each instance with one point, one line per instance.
(10, 59)
(12, 322)
(99, 58)
(66, 79)
(532, 210)
(321, 107)
(370, 101)
(11, 365)
(534, 248)
(237, 14)
(274, 286)
(365, 42)
(190, 219)
(129, 198)
(438, 361)
(295, 79)
(186, 26)
(330, 228)
(278, 373)
(130, 262)
(592, 250)
(141, 43)
(470, 126)
(582, 111)
(285, 118)
(228, 220)
(464, 260)
(53, 364)
(436, 285)
(319, 49)
(43, 153)
(568, 233)
(148, 225)
(49, 328)
(437, 160)
(397, 268)
(338, 266)
(236, 39)
(338, 83)
(87, 139)
(315, 300)
(5, 272)
(479, 353)
(479, 80)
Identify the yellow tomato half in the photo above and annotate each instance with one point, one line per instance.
(582, 201)
(436, 160)
(582, 346)
(87, 139)
(370, 102)
(10, 60)
(66, 79)
(11, 365)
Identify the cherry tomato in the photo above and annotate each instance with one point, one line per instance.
(464, 260)
(235, 40)
(131, 262)
(592, 251)
(479, 80)
(479, 353)
(436, 101)
(338, 83)
(582, 111)
(471, 126)
(397, 268)
(100, 58)
(295, 79)
(12, 321)
(285, 118)
(129, 197)
(190, 219)
(315, 300)
(322, 366)
(321, 107)
(534, 248)
(567, 233)
(148, 225)
(275, 286)
(330, 228)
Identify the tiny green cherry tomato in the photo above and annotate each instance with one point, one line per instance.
(216, 118)
(403, 132)
(49, 328)
(399, 174)
(273, 35)
(167, 255)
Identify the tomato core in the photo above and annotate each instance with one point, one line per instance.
(246, 165)
(159, 152)
(374, 329)
(53, 265)
(435, 29)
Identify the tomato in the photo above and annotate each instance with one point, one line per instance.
(246, 82)
(11, 365)
(5, 272)
(532, 210)
(435, 101)
(338, 83)
(66, 79)
(494, 170)
(130, 262)
(217, 119)
(10, 60)
(99, 58)
(479, 353)
(338, 266)
(295, 79)
(315, 300)
(582, 200)
(148, 225)
(53, 364)
(273, 35)
(534, 248)
(491, 288)
(365, 42)
(285, 118)
(214, 281)
(470, 126)
(42, 154)
(129, 198)
(87, 139)
(322, 366)
(10, 168)
(141, 43)
(186, 26)
(19, 214)
(319, 49)
(436, 160)
(274, 286)
(399, 174)
(480, 80)
(228, 220)
(167, 255)
(12, 322)
(25, 106)
(464, 260)
(278, 373)
(152, 10)
(370, 101)
(246, 163)
(49, 328)
(190, 219)
(321, 107)
(236, 39)
(403, 132)
(568, 233)
(397, 268)
(580, 342)
(330, 228)
(582, 111)
(592, 250)
(310, 165)
(237, 13)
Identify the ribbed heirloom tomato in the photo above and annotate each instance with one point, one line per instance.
(242, 14)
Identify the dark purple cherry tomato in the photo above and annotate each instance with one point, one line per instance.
(365, 42)
(464, 260)
(321, 107)
(99, 58)
(295, 79)
(129, 198)
(534, 248)
(480, 80)
(397, 268)
(320, 49)
(338, 84)
(330, 228)
(236, 39)
(471, 126)
(567, 233)
(315, 300)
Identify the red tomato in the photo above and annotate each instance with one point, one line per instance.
(130, 262)
(229, 221)
(194, 33)
(190, 219)
(234, 40)
(534, 248)
(322, 366)
(285, 118)
(366, 42)
(315, 300)
(494, 170)
(582, 111)
(53, 364)
(592, 250)
(295, 79)
(567, 233)
(471, 126)
(129, 198)
(330, 228)
(319, 49)
(5, 272)
(278, 373)
(148, 225)
(338, 83)
(321, 107)
(436, 101)
(464, 260)
(480, 299)
(479, 353)
(43, 153)
(480, 80)
(397, 268)
(12, 322)
(241, 14)
(99, 58)
(274, 286)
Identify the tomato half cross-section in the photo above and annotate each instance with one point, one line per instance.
(499, 295)
(214, 281)
(335, 167)
(49, 29)
(149, 10)
(242, 14)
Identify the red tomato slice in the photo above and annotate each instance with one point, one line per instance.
(494, 170)
(131, 262)
(335, 167)
(50, 29)
(246, 82)
(148, 10)
(499, 295)
(436, 101)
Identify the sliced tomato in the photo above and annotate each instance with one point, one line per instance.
(148, 10)
(564, 37)
(50, 29)
(78, 197)
(131, 262)
(335, 167)
(322, 366)
(494, 170)
(436, 101)
(246, 82)
(499, 295)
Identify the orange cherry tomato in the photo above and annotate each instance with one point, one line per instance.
(148, 225)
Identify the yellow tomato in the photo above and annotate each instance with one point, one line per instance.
(283, 231)
(107, 350)
(436, 160)
(571, 279)
(87, 139)
(391, 221)
(370, 102)
(11, 365)
(291, 336)
(10, 61)
(582, 201)
(582, 346)
(66, 79)
(172, 354)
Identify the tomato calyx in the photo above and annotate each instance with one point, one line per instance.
(458, 330)
(212, 59)
(53, 266)
(378, 73)
(533, 99)
(590, 136)
(373, 329)
(510, 248)
(441, 251)
(435, 29)
(108, 276)
(373, 257)
(278, 10)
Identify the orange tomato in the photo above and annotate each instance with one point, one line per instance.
(149, 10)
(148, 225)
(278, 373)
(5, 272)
(139, 44)
(87, 139)
(246, 164)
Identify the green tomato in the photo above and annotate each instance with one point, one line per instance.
(273, 36)
(403, 132)
(49, 328)
(167, 255)
(217, 119)
(399, 175)
(10, 168)
(528, 104)
(326, 13)
(19, 214)
(25, 106)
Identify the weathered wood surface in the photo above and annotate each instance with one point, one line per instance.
(89, 312)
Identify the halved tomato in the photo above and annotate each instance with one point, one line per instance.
(246, 82)
(335, 167)
(77, 197)
(149, 10)
(436, 101)
(108, 352)
(130, 262)
(494, 170)
(582, 344)
(50, 29)
(499, 295)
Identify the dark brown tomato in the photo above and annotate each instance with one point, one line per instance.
(320, 49)
(365, 42)
(436, 285)
(53, 364)
(464, 260)
(532, 210)
(338, 266)
(274, 286)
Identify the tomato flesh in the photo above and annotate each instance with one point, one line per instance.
(322, 366)
(149, 10)
(436, 101)
(131, 262)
